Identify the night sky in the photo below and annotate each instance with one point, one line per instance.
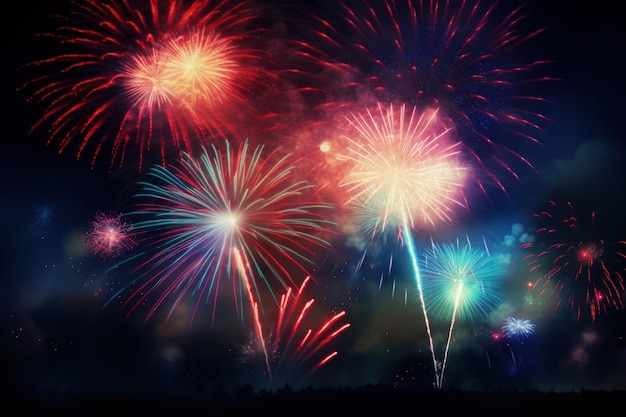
(63, 322)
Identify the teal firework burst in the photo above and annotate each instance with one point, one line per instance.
(461, 281)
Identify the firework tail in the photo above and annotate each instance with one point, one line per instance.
(408, 238)
(255, 309)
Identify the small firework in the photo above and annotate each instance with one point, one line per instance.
(109, 236)
(518, 328)
(294, 346)
(460, 281)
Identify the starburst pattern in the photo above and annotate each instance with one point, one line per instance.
(518, 328)
(109, 235)
(460, 57)
(403, 167)
(234, 213)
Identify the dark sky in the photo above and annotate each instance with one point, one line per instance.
(58, 333)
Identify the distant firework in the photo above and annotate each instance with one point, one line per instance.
(296, 339)
(577, 268)
(463, 58)
(109, 236)
(517, 328)
(210, 222)
(133, 77)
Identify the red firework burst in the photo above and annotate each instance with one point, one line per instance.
(461, 57)
(575, 266)
(139, 76)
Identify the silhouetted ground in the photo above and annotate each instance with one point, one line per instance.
(245, 400)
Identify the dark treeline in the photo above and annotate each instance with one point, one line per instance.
(245, 399)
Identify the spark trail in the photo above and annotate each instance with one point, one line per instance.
(311, 342)
(243, 272)
(415, 264)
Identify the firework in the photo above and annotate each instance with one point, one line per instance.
(462, 282)
(41, 221)
(463, 59)
(576, 266)
(292, 343)
(151, 76)
(109, 236)
(516, 331)
(230, 213)
(518, 328)
(403, 169)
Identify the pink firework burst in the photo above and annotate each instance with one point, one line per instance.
(576, 267)
(109, 236)
(155, 75)
(403, 170)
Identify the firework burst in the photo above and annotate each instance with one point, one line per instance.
(234, 214)
(576, 267)
(515, 331)
(147, 76)
(463, 58)
(462, 282)
(109, 236)
(518, 328)
(403, 169)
